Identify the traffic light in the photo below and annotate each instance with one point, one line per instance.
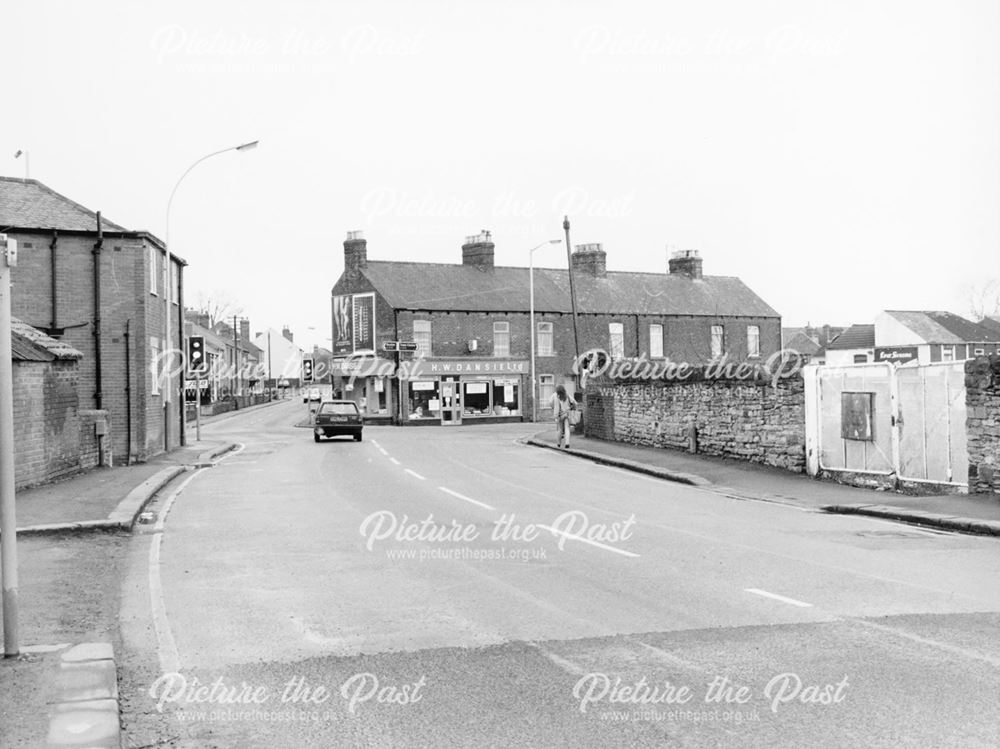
(197, 363)
(307, 369)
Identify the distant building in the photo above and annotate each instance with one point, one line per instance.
(810, 342)
(470, 324)
(856, 345)
(281, 359)
(100, 288)
(931, 336)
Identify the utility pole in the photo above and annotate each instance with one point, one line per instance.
(572, 299)
(236, 363)
(8, 519)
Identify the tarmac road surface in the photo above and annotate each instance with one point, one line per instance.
(452, 587)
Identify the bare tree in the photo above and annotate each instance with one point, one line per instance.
(219, 307)
(984, 298)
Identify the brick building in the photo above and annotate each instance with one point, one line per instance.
(100, 288)
(471, 322)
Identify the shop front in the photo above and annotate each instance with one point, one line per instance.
(368, 382)
(451, 392)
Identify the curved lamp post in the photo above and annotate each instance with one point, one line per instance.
(168, 290)
(531, 323)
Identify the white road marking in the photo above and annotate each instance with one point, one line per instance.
(566, 665)
(166, 645)
(446, 490)
(414, 474)
(383, 451)
(927, 641)
(598, 544)
(776, 597)
(395, 462)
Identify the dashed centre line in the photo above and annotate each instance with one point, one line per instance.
(446, 490)
(414, 474)
(598, 544)
(776, 597)
(396, 462)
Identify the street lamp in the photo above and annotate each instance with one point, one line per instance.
(531, 296)
(168, 290)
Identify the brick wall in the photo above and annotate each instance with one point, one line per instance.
(125, 296)
(982, 403)
(51, 437)
(748, 420)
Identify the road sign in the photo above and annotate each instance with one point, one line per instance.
(408, 346)
(390, 345)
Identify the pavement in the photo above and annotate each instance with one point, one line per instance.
(76, 684)
(962, 513)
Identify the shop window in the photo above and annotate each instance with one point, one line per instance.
(476, 399)
(546, 389)
(753, 340)
(380, 389)
(616, 332)
(425, 399)
(506, 397)
(718, 342)
(501, 339)
(544, 339)
(422, 337)
(655, 341)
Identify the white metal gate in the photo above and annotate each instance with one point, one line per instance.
(883, 419)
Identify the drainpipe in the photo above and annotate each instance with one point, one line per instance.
(53, 324)
(128, 398)
(399, 382)
(180, 347)
(98, 394)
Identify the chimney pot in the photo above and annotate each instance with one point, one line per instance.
(685, 263)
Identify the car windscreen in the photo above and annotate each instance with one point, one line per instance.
(344, 409)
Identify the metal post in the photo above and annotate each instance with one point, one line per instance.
(8, 519)
(531, 332)
(197, 405)
(572, 299)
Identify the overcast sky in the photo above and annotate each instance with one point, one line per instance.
(841, 158)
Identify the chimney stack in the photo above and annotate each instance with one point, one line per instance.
(245, 330)
(478, 250)
(287, 334)
(355, 253)
(592, 259)
(685, 263)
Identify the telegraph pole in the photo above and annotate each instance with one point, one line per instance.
(572, 298)
(8, 519)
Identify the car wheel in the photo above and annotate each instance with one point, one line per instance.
(357, 437)
(315, 437)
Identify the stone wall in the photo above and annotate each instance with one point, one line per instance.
(982, 403)
(750, 420)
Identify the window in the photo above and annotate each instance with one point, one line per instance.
(655, 341)
(501, 339)
(979, 351)
(546, 389)
(152, 269)
(175, 282)
(422, 337)
(476, 400)
(506, 392)
(425, 400)
(718, 341)
(154, 365)
(753, 340)
(861, 358)
(544, 339)
(616, 332)
(947, 353)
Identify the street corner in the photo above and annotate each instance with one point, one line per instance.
(84, 708)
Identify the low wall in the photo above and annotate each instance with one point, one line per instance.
(752, 420)
(982, 404)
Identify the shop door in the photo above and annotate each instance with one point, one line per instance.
(451, 402)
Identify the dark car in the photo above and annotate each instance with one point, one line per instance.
(338, 418)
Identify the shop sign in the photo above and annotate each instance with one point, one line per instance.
(427, 367)
(895, 354)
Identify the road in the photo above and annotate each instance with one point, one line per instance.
(453, 587)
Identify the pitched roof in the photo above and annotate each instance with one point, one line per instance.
(453, 287)
(31, 344)
(943, 327)
(991, 324)
(801, 343)
(856, 336)
(28, 204)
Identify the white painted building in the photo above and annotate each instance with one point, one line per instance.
(281, 357)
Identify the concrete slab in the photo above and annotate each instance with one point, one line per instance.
(89, 651)
(90, 680)
(92, 723)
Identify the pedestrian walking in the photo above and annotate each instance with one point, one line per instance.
(561, 404)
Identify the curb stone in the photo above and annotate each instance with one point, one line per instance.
(919, 517)
(629, 465)
(208, 458)
(84, 708)
(123, 517)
